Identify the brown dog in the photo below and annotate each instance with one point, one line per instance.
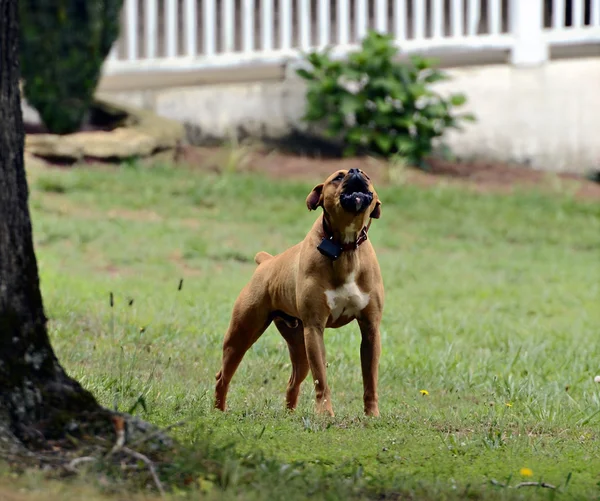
(329, 279)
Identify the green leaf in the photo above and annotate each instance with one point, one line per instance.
(383, 106)
(350, 151)
(358, 59)
(383, 142)
(388, 85)
(329, 84)
(334, 69)
(305, 74)
(467, 117)
(383, 121)
(403, 121)
(355, 135)
(417, 90)
(317, 60)
(458, 99)
(436, 110)
(314, 114)
(405, 145)
(350, 104)
(423, 63)
(335, 125)
(435, 76)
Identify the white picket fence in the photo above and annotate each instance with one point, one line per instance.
(180, 35)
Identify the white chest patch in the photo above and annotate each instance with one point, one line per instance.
(347, 300)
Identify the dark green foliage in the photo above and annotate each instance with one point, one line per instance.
(378, 105)
(63, 46)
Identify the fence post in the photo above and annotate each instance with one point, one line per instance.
(527, 18)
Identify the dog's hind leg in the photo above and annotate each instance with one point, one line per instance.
(294, 336)
(370, 351)
(248, 321)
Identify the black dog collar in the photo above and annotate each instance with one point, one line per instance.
(332, 249)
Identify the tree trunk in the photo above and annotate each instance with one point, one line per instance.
(38, 401)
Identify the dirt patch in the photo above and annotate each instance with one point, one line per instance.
(145, 216)
(484, 177)
(178, 259)
(111, 270)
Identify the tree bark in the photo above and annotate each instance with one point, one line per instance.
(38, 400)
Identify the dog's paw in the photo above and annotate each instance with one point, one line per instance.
(372, 412)
(324, 408)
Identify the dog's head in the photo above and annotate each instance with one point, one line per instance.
(348, 197)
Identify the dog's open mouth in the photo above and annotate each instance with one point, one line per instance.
(355, 196)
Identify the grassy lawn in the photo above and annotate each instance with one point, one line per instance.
(492, 307)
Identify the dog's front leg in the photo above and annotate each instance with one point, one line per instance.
(315, 349)
(370, 350)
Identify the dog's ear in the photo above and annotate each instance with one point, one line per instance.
(376, 213)
(315, 198)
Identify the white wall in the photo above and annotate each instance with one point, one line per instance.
(545, 116)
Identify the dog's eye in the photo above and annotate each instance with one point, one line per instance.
(339, 177)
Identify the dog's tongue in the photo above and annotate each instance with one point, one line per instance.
(356, 201)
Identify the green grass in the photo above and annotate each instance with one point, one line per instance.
(492, 306)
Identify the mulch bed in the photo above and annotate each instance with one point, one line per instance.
(483, 176)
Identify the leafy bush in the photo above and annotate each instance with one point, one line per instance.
(63, 46)
(378, 105)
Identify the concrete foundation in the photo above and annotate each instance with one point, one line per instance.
(547, 117)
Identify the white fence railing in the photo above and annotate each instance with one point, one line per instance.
(168, 35)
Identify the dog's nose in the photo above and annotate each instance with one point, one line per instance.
(354, 172)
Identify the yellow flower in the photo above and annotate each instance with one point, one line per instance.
(508, 404)
(526, 472)
(424, 392)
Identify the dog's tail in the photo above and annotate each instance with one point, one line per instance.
(261, 257)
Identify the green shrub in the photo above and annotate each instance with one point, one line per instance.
(63, 46)
(378, 105)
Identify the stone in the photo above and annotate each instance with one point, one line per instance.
(140, 134)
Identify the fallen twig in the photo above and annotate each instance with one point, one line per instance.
(119, 424)
(119, 446)
(544, 485)
(535, 484)
(149, 464)
(72, 466)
